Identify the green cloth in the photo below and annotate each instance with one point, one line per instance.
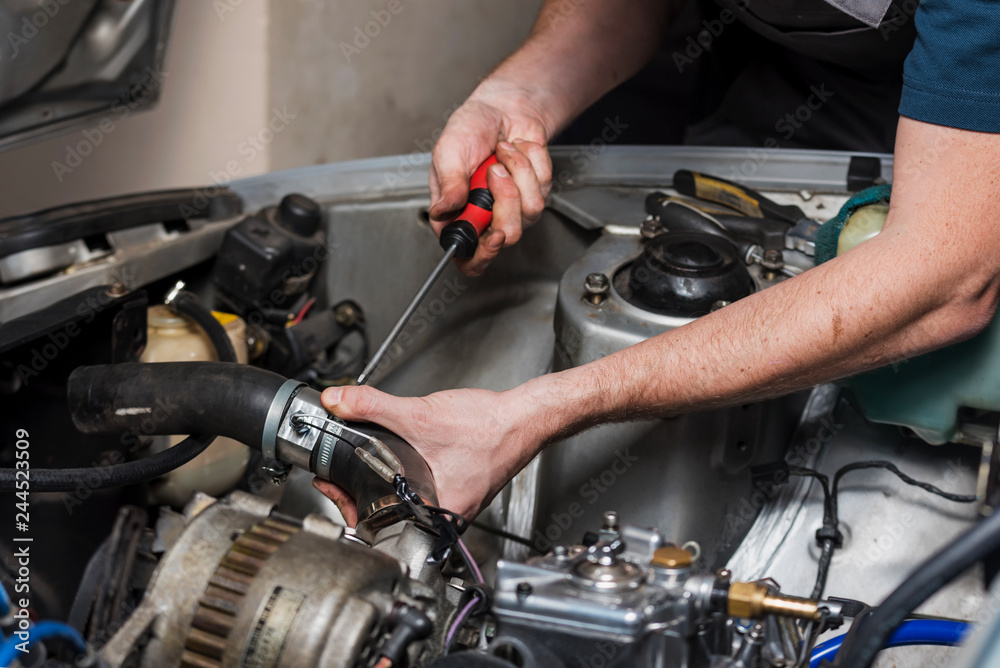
(829, 234)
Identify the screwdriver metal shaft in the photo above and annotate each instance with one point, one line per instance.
(403, 319)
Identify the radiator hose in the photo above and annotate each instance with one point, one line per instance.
(147, 468)
(283, 418)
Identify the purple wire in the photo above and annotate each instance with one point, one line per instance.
(458, 620)
(472, 562)
(475, 597)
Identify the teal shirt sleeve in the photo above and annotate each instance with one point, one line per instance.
(952, 75)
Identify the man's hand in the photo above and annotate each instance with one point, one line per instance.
(496, 119)
(474, 441)
(573, 56)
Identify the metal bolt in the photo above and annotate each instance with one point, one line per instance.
(524, 589)
(773, 259)
(722, 303)
(347, 315)
(650, 227)
(174, 291)
(724, 574)
(597, 286)
(560, 550)
(117, 289)
(610, 521)
(276, 472)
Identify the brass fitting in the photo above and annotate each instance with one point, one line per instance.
(750, 600)
(672, 557)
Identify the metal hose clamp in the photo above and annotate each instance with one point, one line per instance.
(268, 444)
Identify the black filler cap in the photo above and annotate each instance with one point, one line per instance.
(299, 214)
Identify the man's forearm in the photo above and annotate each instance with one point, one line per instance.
(929, 279)
(580, 49)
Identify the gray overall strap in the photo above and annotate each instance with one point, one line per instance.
(869, 12)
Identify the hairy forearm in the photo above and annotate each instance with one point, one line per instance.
(577, 51)
(861, 311)
(929, 279)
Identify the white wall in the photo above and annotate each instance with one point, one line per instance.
(281, 62)
(373, 78)
(213, 95)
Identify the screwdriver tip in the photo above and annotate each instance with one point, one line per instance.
(361, 379)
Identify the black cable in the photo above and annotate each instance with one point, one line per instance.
(828, 537)
(934, 573)
(188, 305)
(147, 468)
(889, 466)
(503, 534)
(114, 475)
(827, 547)
(447, 525)
(829, 508)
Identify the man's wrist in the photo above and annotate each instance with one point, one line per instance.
(555, 406)
(509, 92)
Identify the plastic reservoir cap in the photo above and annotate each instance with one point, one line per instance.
(224, 318)
(671, 556)
(299, 214)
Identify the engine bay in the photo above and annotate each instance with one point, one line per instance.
(164, 379)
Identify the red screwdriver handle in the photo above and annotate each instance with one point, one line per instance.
(464, 231)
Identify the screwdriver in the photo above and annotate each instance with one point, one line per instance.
(458, 239)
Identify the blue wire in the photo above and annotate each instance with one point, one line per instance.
(38, 632)
(5, 604)
(910, 632)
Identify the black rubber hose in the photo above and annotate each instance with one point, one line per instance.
(99, 383)
(188, 305)
(166, 398)
(173, 398)
(116, 475)
(933, 574)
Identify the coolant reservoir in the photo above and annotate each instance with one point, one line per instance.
(863, 224)
(172, 338)
(925, 393)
